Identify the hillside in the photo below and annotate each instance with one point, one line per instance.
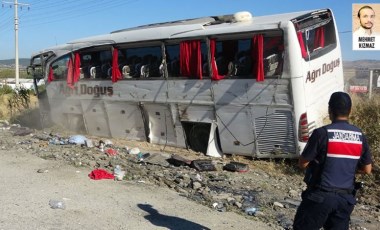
(371, 64)
(24, 62)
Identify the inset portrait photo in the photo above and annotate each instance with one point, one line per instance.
(366, 26)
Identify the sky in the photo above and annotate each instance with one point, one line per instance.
(45, 23)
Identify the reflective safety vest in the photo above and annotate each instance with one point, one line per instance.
(344, 149)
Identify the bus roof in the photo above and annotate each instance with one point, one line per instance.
(197, 27)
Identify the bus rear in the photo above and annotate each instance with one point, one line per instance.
(316, 68)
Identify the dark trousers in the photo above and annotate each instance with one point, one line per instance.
(329, 210)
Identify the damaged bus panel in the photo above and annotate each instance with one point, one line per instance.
(231, 84)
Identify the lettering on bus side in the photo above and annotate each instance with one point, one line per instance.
(325, 68)
(82, 89)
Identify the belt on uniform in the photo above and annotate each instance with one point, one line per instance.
(333, 190)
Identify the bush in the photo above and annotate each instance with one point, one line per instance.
(5, 89)
(366, 115)
(19, 101)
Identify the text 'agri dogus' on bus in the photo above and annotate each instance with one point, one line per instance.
(234, 84)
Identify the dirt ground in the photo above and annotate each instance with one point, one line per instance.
(95, 204)
(34, 171)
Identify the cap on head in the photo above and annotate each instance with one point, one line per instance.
(340, 103)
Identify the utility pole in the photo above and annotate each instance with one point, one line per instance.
(16, 4)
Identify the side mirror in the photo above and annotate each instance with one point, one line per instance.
(29, 70)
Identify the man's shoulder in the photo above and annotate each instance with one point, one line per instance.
(343, 126)
(320, 131)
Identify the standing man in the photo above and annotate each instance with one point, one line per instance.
(366, 16)
(332, 156)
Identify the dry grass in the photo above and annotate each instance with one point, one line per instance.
(366, 115)
(6, 114)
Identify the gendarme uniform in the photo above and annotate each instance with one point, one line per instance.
(336, 150)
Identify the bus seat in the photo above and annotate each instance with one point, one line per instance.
(109, 72)
(232, 70)
(81, 76)
(144, 71)
(137, 68)
(244, 65)
(161, 69)
(104, 68)
(126, 71)
(93, 72)
(270, 64)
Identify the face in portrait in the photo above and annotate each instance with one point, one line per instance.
(365, 20)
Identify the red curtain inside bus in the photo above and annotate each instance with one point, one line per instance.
(51, 75)
(116, 74)
(76, 68)
(73, 70)
(69, 77)
(215, 75)
(319, 38)
(258, 56)
(190, 59)
(302, 44)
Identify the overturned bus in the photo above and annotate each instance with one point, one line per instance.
(234, 84)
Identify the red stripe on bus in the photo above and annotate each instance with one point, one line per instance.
(342, 148)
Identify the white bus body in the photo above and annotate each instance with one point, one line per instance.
(277, 71)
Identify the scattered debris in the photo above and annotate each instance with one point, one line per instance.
(236, 167)
(272, 198)
(141, 156)
(118, 173)
(77, 140)
(157, 159)
(20, 131)
(278, 204)
(98, 174)
(111, 152)
(88, 143)
(250, 210)
(42, 171)
(177, 160)
(133, 151)
(57, 204)
(203, 165)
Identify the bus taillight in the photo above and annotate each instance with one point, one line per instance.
(303, 128)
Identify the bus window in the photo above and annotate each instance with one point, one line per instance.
(105, 58)
(91, 65)
(86, 65)
(204, 60)
(273, 55)
(316, 34)
(142, 62)
(235, 58)
(243, 59)
(60, 68)
(173, 60)
(96, 64)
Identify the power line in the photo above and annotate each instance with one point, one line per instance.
(47, 12)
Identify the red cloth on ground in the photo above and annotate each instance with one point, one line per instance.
(111, 152)
(98, 174)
